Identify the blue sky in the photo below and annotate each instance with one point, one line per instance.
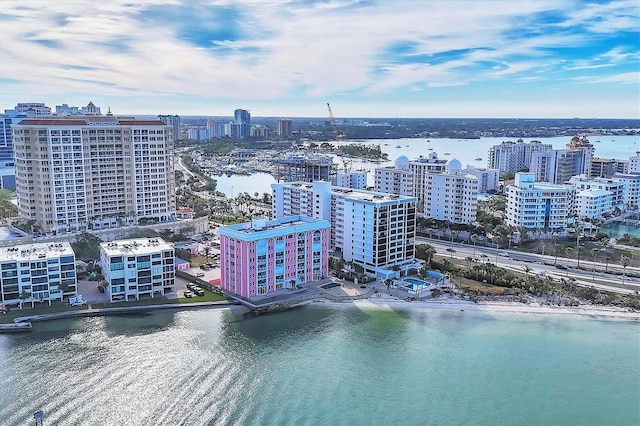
(368, 58)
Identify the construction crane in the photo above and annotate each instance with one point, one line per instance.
(332, 122)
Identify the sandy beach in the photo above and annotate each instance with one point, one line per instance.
(455, 304)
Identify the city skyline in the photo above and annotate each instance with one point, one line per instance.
(288, 58)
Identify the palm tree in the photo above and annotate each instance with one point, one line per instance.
(594, 253)
(557, 249)
(624, 261)
(388, 282)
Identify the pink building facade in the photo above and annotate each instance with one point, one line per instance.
(263, 256)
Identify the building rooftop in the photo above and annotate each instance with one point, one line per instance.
(258, 226)
(135, 246)
(36, 251)
(86, 121)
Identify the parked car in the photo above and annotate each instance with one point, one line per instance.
(198, 291)
(3, 309)
(504, 254)
(77, 301)
(204, 267)
(188, 294)
(559, 266)
(200, 274)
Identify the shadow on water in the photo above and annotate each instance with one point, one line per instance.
(138, 323)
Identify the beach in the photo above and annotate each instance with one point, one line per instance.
(384, 301)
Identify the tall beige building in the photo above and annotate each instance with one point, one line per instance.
(93, 172)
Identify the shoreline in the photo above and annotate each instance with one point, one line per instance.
(389, 303)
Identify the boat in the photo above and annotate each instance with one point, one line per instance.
(386, 144)
(478, 159)
(407, 145)
(430, 149)
(447, 153)
(398, 146)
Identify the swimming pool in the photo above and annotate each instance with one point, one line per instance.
(330, 285)
(415, 282)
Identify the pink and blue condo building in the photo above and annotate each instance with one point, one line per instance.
(264, 256)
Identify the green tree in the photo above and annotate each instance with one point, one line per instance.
(87, 246)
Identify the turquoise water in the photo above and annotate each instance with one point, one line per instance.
(414, 281)
(616, 230)
(324, 366)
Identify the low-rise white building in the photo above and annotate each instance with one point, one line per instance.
(354, 179)
(593, 203)
(616, 187)
(135, 268)
(43, 271)
(539, 206)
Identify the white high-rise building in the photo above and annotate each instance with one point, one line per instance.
(43, 271)
(174, 122)
(354, 179)
(632, 188)
(284, 127)
(451, 195)
(514, 156)
(93, 172)
(140, 267)
(634, 163)
(539, 206)
(488, 179)
(372, 229)
(397, 180)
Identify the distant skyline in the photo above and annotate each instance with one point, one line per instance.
(288, 58)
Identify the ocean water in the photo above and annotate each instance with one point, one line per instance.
(324, 366)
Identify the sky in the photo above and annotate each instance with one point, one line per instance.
(289, 58)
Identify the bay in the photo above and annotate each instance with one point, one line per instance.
(467, 151)
(320, 365)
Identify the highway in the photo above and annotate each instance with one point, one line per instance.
(518, 261)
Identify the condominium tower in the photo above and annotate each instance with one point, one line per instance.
(511, 157)
(373, 229)
(93, 172)
(266, 256)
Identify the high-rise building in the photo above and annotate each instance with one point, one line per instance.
(605, 168)
(296, 167)
(488, 179)
(284, 127)
(137, 268)
(543, 207)
(93, 172)
(558, 166)
(511, 157)
(397, 180)
(41, 272)
(354, 179)
(32, 109)
(216, 129)
(632, 188)
(634, 163)
(263, 256)
(174, 122)
(7, 166)
(374, 230)
(451, 195)
(259, 131)
(241, 126)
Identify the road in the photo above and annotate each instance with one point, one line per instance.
(519, 261)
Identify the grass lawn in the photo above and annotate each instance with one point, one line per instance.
(158, 300)
(40, 308)
(208, 297)
(196, 261)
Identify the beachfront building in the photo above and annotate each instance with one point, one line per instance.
(265, 256)
(397, 180)
(374, 230)
(543, 207)
(93, 172)
(40, 272)
(615, 187)
(488, 179)
(558, 166)
(137, 268)
(631, 183)
(511, 157)
(451, 195)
